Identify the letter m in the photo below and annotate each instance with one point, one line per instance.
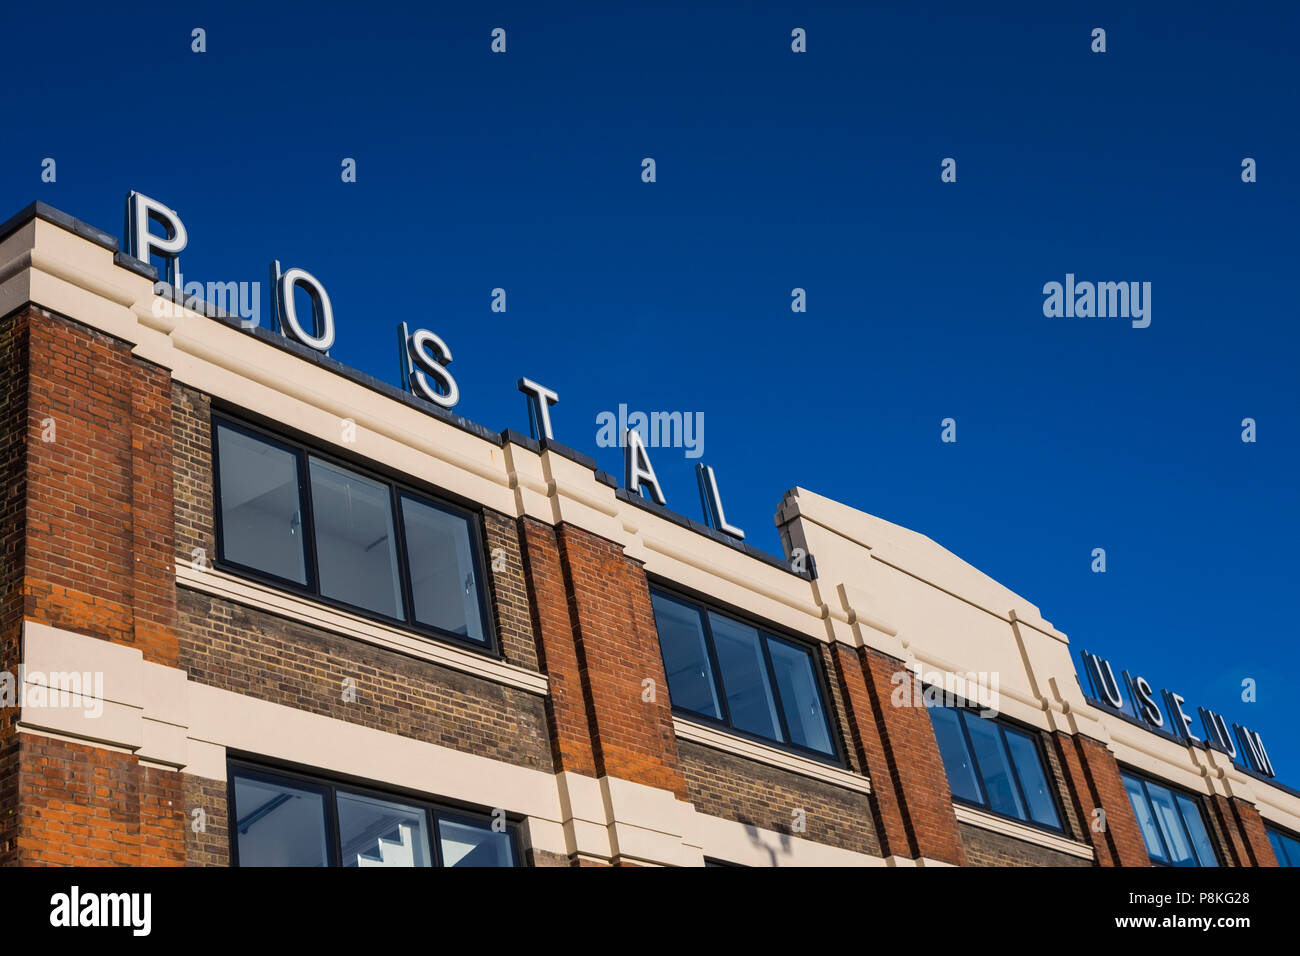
(224, 296)
(1111, 298)
(666, 429)
(1254, 750)
(119, 905)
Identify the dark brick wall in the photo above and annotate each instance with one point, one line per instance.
(251, 652)
(754, 793)
(192, 456)
(508, 589)
(210, 844)
(1074, 825)
(840, 715)
(985, 848)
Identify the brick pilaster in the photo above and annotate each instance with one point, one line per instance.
(598, 644)
(867, 741)
(909, 787)
(1244, 839)
(557, 650)
(618, 650)
(99, 546)
(1094, 782)
(89, 551)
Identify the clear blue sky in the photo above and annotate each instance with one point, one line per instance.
(778, 170)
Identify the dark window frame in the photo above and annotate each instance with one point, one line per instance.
(829, 715)
(303, 451)
(330, 787)
(1004, 723)
(1144, 779)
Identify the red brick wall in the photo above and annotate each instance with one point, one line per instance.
(597, 642)
(569, 721)
(617, 649)
(1239, 832)
(868, 752)
(1259, 849)
(99, 496)
(86, 806)
(87, 542)
(13, 539)
(908, 782)
(1094, 782)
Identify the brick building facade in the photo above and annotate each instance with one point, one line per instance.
(554, 737)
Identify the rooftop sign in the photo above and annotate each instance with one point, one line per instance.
(424, 356)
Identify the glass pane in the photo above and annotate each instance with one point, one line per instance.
(956, 760)
(381, 833)
(686, 660)
(279, 824)
(1292, 851)
(994, 766)
(356, 554)
(1285, 848)
(444, 575)
(471, 843)
(1146, 820)
(801, 697)
(1033, 779)
(1171, 828)
(744, 677)
(1279, 848)
(261, 512)
(1196, 828)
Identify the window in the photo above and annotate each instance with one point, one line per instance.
(1285, 847)
(471, 842)
(261, 505)
(756, 683)
(356, 550)
(1171, 823)
(351, 539)
(286, 819)
(443, 569)
(994, 765)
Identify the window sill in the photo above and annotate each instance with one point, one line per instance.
(1021, 831)
(249, 593)
(740, 747)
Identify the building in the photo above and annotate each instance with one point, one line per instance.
(262, 609)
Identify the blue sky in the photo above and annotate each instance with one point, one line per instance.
(777, 171)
